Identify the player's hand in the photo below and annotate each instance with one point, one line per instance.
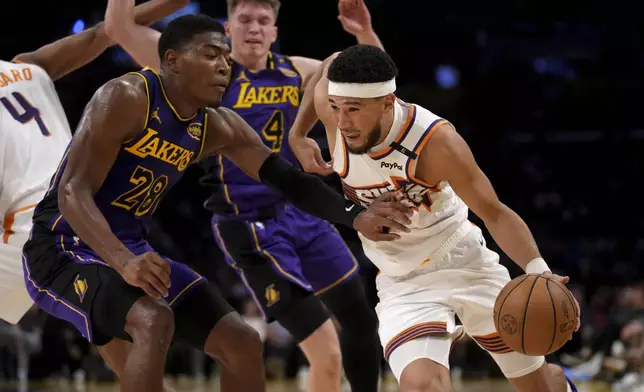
(150, 272)
(308, 153)
(564, 280)
(354, 16)
(385, 216)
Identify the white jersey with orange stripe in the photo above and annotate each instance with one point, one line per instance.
(34, 133)
(440, 216)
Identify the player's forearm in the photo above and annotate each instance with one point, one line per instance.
(68, 54)
(84, 217)
(513, 236)
(128, 31)
(307, 192)
(370, 38)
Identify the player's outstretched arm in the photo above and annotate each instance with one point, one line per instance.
(229, 135)
(139, 41)
(448, 157)
(70, 53)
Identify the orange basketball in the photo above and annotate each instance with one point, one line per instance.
(535, 315)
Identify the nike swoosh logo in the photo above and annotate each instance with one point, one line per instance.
(349, 208)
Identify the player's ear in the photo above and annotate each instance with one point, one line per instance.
(388, 101)
(227, 27)
(274, 35)
(173, 60)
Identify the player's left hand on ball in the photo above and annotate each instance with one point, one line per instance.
(564, 280)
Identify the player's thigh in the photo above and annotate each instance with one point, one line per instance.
(474, 300)
(326, 260)
(267, 263)
(409, 310)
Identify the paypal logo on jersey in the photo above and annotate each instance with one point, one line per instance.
(392, 165)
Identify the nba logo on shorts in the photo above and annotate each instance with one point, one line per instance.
(80, 287)
(271, 295)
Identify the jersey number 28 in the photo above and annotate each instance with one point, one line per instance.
(29, 113)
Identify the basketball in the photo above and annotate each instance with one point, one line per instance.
(535, 314)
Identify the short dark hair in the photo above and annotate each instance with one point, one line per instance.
(362, 64)
(274, 4)
(181, 30)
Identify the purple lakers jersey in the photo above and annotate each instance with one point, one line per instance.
(145, 168)
(268, 101)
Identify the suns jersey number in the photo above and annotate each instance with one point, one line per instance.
(273, 131)
(145, 194)
(29, 112)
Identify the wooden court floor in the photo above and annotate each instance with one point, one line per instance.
(389, 386)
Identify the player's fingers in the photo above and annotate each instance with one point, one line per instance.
(149, 290)
(317, 154)
(157, 284)
(391, 212)
(391, 224)
(401, 207)
(161, 262)
(161, 274)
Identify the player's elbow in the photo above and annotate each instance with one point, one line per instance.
(68, 194)
(115, 29)
(492, 212)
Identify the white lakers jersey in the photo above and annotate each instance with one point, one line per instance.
(439, 214)
(34, 133)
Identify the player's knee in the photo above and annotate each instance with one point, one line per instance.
(424, 375)
(150, 321)
(234, 343)
(322, 350)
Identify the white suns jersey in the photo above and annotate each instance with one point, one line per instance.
(439, 214)
(34, 134)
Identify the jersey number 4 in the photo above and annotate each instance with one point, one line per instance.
(145, 195)
(30, 113)
(273, 131)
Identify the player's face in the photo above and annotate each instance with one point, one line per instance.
(251, 29)
(203, 67)
(359, 121)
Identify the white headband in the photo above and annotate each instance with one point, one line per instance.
(362, 90)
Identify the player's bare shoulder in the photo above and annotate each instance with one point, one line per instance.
(119, 107)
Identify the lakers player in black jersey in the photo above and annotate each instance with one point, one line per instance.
(87, 261)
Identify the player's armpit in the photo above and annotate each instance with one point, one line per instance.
(115, 114)
(447, 157)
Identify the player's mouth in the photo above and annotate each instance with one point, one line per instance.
(254, 42)
(351, 135)
(219, 86)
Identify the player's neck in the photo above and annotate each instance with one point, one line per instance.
(178, 97)
(252, 63)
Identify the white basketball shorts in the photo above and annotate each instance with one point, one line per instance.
(416, 311)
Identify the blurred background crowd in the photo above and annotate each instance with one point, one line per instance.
(549, 96)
